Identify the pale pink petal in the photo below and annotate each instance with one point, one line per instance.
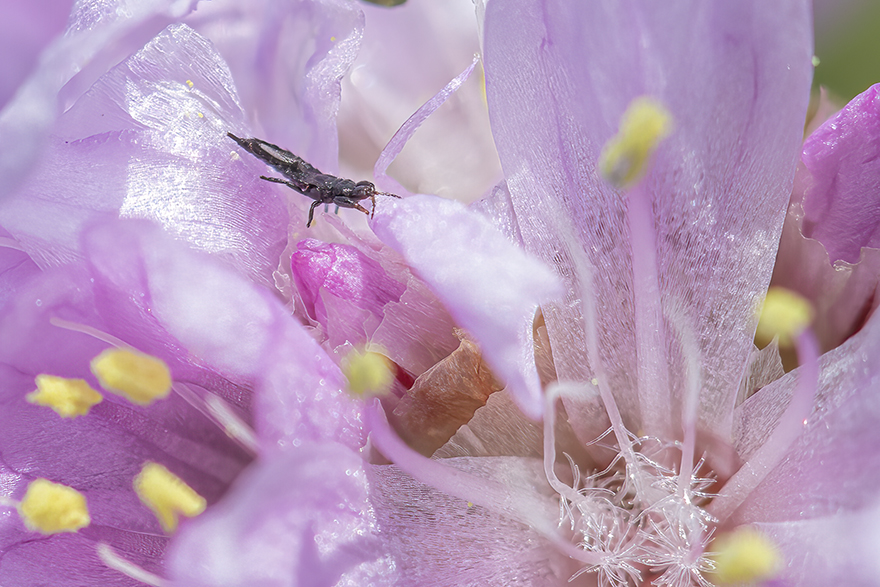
(302, 518)
(842, 198)
(144, 143)
(490, 287)
(735, 76)
(833, 467)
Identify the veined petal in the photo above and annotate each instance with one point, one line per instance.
(824, 551)
(442, 540)
(830, 468)
(288, 60)
(735, 77)
(300, 518)
(96, 36)
(148, 141)
(487, 283)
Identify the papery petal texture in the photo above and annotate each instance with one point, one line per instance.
(300, 519)
(842, 199)
(144, 143)
(821, 551)
(830, 469)
(737, 93)
(343, 272)
(441, 540)
(408, 54)
(97, 36)
(487, 283)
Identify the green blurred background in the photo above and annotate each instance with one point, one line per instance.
(847, 45)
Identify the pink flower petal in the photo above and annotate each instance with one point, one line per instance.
(832, 467)
(142, 143)
(301, 518)
(737, 91)
(489, 286)
(842, 199)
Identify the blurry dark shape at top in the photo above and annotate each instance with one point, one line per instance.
(388, 3)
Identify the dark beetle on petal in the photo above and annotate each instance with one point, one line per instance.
(304, 178)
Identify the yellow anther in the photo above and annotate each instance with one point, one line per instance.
(68, 397)
(51, 508)
(167, 495)
(744, 556)
(785, 314)
(367, 373)
(625, 157)
(139, 377)
(189, 83)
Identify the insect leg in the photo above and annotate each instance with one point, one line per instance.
(277, 180)
(346, 202)
(312, 212)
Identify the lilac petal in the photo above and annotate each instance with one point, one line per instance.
(219, 334)
(288, 59)
(830, 550)
(416, 332)
(408, 54)
(442, 540)
(70, 560)
(300, 519)
(227, 322)
(96, 37)
(832, 467)
(489, 286)
(343, 272)
(735, 76)
(843, 294)
(16, 269)
(842, 202)
(143, 143)
(412, 124)
(26, 28)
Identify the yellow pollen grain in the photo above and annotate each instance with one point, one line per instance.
(141, 378)
(367, 373)
(189, 83)
(167, 495)
(51, 508)
(785, 314)
(744, 556)
(68, 397)
(625, 157)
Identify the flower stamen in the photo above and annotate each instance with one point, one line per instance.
(140, 378)
(744, 556)
(52, 508)
(68, 397)
(626, 155)
(167, 495)
(792, 323)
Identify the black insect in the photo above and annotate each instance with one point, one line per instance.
(323, 188)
